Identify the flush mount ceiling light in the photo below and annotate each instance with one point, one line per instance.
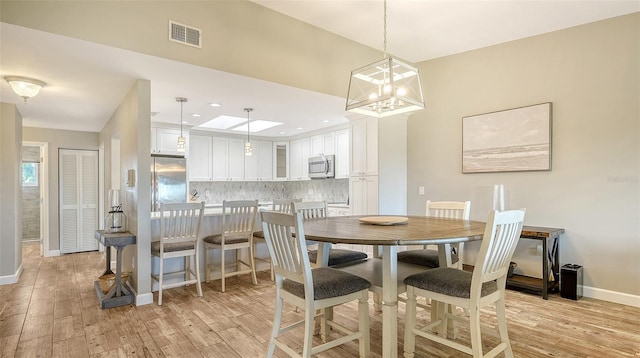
(247, 145)
(24, 87)
(181, 140)
(385, 87)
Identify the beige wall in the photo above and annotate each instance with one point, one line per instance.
(10, 193)
(130, 122)
(58, 139)
(591, 74)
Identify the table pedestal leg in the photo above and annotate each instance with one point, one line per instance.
(390, 301)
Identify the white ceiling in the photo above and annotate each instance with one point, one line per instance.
(86, 81)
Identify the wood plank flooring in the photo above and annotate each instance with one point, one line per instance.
(53, 312)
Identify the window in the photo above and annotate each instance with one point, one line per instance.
(30, 174)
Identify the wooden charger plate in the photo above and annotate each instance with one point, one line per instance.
(384, 220)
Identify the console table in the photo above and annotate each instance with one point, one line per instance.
(550, 262)
(118, 294)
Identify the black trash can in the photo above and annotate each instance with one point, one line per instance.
(571, 281)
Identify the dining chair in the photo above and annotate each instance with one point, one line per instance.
(238, 220)
(473, 291)
(179, 233)
(312, 289)
(311, 210)
(428, 257)
(281, 206)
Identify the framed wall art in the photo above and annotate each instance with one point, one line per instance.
(512, 140)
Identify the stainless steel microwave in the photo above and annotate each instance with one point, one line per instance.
(322, 167)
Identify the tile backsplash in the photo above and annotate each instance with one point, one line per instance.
(330, 190)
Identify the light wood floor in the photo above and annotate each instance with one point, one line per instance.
(53, 311)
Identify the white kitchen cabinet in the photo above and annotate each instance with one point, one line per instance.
(323, 144)
(281, 161)
(364, 147)
(200, 162)
(259, 165)
(342, 153)
(363, 195)
(165, 141)
(299, 159)
(227, 159)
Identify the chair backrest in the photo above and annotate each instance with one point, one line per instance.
(448, 209)
(288, 251)
(311, 209)
(501, 235)
(180, 222)
(284, 205)
(238, 217)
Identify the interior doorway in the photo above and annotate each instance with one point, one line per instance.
(36, 183)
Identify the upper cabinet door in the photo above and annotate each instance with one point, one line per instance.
(200, 161)
(364, 147)
(219, 150)
(236, 159)
(258, 166)
(165, 141)
(342, 153)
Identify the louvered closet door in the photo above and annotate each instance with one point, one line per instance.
(78, 194)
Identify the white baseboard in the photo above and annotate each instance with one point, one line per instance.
(52, 253)
(9, 279)
(611, 296)
(143, 299)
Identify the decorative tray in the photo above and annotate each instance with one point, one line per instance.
(384, 220)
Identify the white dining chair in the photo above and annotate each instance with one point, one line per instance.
(429, 257)
(238, 220)
(473, 291)
(311, 210)
(281, 206)
(179, 233)
(310, 289)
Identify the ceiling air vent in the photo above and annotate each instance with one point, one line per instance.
(184, 34)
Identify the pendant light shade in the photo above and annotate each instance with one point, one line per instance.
(386, 87)
(24, 87)
(182, 141)
(248, 149)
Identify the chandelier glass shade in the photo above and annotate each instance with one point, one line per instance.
(24, 87)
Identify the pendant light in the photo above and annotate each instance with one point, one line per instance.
(247, 146)
(386, 87)
(181, 140)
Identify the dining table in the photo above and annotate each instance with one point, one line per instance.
(387, 234)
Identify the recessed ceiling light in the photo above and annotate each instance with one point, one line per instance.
(195, 114)
(257, 126)
(223, 122)
(299, 128)
(283, 132)
(215, 104)
(326, 121)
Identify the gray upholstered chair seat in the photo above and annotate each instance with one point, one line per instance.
(339, 256)
(170, 247)
(448, 281)
(328, 283)
(428, 258)
(217, 239)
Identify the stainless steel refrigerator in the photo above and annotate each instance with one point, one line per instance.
(168, 181)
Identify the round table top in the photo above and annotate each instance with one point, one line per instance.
(418, 230)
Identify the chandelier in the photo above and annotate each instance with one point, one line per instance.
(386, 87)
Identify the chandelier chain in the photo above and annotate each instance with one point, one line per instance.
(384, 33)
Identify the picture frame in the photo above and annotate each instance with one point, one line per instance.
(511, 140)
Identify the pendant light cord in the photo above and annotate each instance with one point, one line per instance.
(181, 102)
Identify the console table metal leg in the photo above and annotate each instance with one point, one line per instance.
(545, 270)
